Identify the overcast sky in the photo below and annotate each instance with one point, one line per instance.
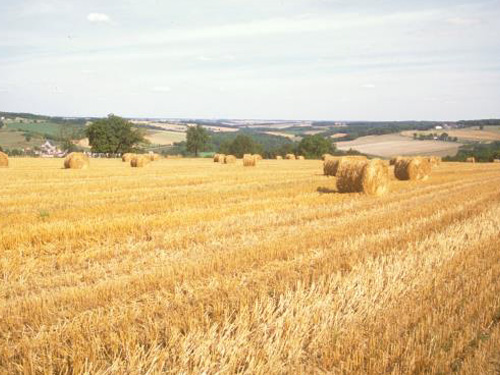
(286, 59)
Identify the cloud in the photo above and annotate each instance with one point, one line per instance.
(161, 89)
(98, 18)
(461, 21)
(369, 86)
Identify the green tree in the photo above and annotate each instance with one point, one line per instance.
(196, 139)
(113, 134)
(314, 146)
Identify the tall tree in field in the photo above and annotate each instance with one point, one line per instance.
(196, 139)
(113, 134)
(313, 146)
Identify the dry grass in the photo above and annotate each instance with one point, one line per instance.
(187, 268)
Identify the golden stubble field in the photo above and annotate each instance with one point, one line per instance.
(192, 267)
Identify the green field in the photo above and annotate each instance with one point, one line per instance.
(50, 129)
(10, 138)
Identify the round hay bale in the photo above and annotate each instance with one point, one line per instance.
(434, 160)
(230, 159)
(153, 157)
(279, 157)
(471, 160)
(4, 160)
(249, 161)
(300, 157)
(395, 159)
(127, 157)
(417, 168)
(139, 161)
(326, 156)
(331, 165)
(257, 157)
(76, 160)
(216, 158)
(221, 158)
(363, 176)
(496, 161)
(290, 157)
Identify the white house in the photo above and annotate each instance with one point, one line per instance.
(49, 150)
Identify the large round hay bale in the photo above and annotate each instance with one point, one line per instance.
(139, 161)
(395, 159)
(216, 158)
(331, 165)
(230, 159)
(471, 160)
(127, 157)
(153, 157)
(434, 160)
(279, 157)
(290, 157)
(326, 156)
(257, 157)
(221, 158)
(363, 176)
(300, 157)
(4, 160)
(417, 168)
(496, 160)
(249, 161)
(76, 160)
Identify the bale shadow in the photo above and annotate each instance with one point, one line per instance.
(325, 190)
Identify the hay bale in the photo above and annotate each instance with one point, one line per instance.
(216, 158)
(363, 176)
(153, 157)
(496, 160)
(395, 159)
(279, 157)
(139, 161)
(300, 157)
(230, 159)
(331, 165)
(290, 157)
(257, 157)
(326, 156)
(249, 161)
(76, 160)
(221, 158)
(471, 160)
(127, 157)
(4, 160)
(434, 160)
(417, 168)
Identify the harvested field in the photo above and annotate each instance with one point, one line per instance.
(391, 145)
(185, 267)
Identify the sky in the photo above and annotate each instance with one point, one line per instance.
(256, 59)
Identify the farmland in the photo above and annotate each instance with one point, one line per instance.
(165, 137)
(474, 134)
(395, 144)
(191, 267)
